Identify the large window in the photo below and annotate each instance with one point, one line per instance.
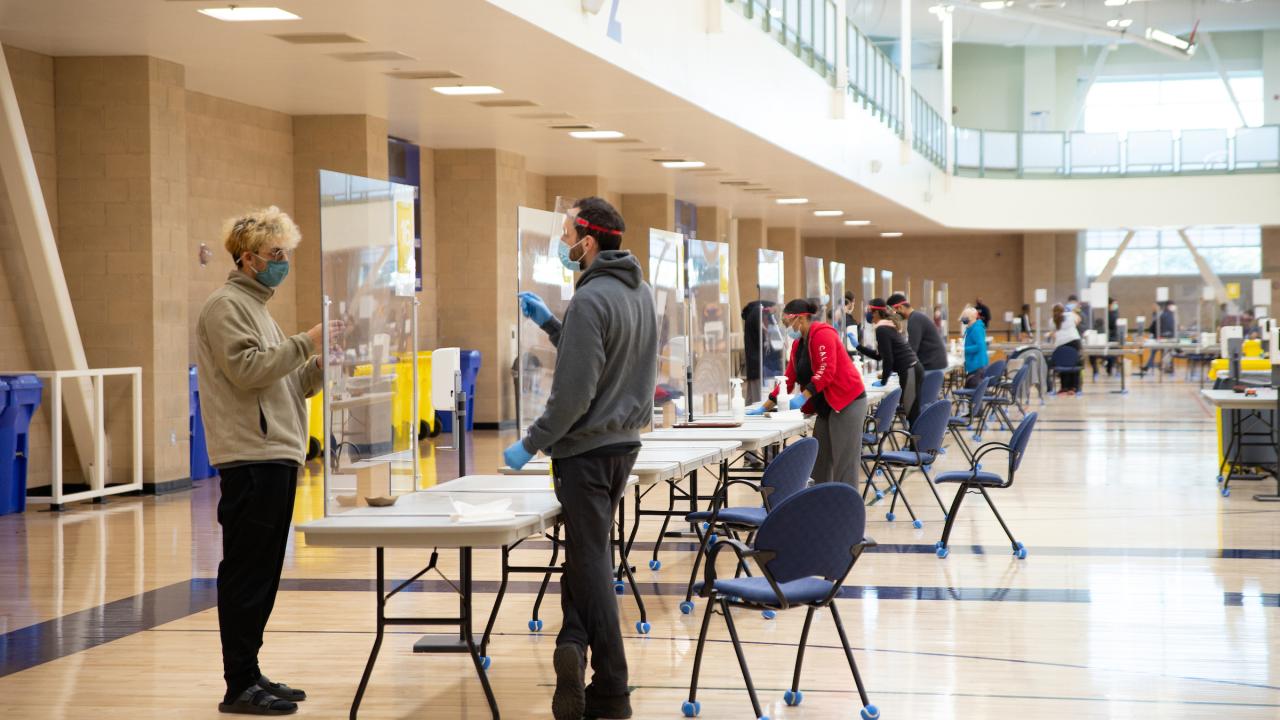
(1172, 103)
(1229, 250)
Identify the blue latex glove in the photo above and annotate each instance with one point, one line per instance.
(516, 456)
(532, 307)
(756, 410)
(797, 402)
(877, 383)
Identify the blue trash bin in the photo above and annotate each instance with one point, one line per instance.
(200, 467)
(23, 393)
(469, 362)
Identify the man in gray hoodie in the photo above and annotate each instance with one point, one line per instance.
(601, 398)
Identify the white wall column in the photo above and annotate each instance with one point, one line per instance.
(904, 56)
(839, 93)
(946, 15)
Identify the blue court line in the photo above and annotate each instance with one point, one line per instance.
(44, 642)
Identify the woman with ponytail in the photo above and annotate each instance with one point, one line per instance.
(895, 355)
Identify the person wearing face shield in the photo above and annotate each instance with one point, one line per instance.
(601, 398)
(824, 382)
(253, 385)
(895, 355)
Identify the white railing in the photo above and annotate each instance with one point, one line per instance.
(97, 480)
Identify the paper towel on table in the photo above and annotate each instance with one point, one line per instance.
(487, 512)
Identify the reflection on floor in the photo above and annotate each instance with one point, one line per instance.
(1145, 594)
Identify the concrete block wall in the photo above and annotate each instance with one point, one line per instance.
(239, 157)
(789, 241)
(642, 212)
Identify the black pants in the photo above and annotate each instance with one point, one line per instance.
(589, 490)
(1070, 380)
(910, 379)
(255, 510)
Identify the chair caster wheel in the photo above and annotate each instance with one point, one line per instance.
(643, 627)
(619, 587)
(706, 525)
(1219, 479)
(937, 545)
(711, 539)
(1226, 492)
(942, 552)
(769, 614)
(1020, 553)
(894, 489)
(686, 608)
(655, 565)
(917, 524)
(535, 626)
(792, 697)
(879, 494)
(977, 437)
(485, 662)
(691, 708)
(870, 712)
(890, 517)
(946, 517)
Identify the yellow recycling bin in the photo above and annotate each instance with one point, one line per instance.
(401, 409)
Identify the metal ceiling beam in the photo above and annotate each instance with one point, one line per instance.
(1110, 269)
(1082, 93)
(1210, 277)
(1207, 41)
(1102, 31)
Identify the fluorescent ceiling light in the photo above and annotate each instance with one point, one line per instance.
(857, 223)
(995, 4)
(596, 134)
(890, 234)
(683, 164)
(1169, 39)
(828, 213)
(1120, 23)
(231, 13)
(467, 90)
(792, 201)
(1116, 3)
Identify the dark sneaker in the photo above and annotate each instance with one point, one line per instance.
(280, 690)
(256, 701)
(569, 701)
(607, 707)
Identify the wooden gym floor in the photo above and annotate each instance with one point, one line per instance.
(1145, 594)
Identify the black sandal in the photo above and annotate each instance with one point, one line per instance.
(256, 701)
(280, 690)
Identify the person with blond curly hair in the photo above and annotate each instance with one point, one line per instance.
(254, 382)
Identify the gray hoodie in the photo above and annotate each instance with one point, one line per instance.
(606, 362)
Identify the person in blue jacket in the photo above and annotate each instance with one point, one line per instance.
(975, 346)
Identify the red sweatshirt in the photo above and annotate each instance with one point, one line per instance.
(833, 372)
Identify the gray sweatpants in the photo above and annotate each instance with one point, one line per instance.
(839, 436)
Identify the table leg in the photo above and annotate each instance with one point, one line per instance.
(377, 643)
(464, 605)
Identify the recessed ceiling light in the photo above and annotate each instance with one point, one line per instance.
(995, 4)
(890, 234)
(596, 134)
(682, 164)
(1169, 39)
(467, 90)
(232, 13)
(857, 223)
(792, 201)
(828, 213)
(1120, 23)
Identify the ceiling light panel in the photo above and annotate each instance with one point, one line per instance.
(828, 213)
(792, 201)
(232, 13)
(596, 134)
(682, 164)
(857, 223)
(467, 90)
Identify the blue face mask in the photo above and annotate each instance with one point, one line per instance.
(274, 274)
(568, 263)
(794, 334)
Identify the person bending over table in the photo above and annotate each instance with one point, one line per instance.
(830, 387)
(253, 386)
(895, 356)
(925, 339)
(601, 398)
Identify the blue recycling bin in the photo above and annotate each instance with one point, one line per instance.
(200, 467)
(23, 394)
(469, 362)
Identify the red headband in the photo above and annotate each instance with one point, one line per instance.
(792, 315)
(583, 223)
(877, 307)
(900, 304)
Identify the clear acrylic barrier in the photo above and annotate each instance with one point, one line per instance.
(1258, 146)
(927, 302)
(837, 296)
(1203, 149)
(367, 282)
(1095, 152)
(772, 340)
(944, 300)
(667, 278)
(708, 263)
(1150, 150)
(538, 271)
(815, 283)
(886, 284)
(1043, 152)
(1000, 150)
(868, 292)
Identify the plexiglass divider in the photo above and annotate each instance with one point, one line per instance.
(837, 297)
(868, 292)
(708, 278)
(886, 284)
(370, 371)
(539, 271)
(773, 342)
(944, 301)
(815, 283)
(667, 278)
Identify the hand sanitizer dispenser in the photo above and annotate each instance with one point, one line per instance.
(737, 404)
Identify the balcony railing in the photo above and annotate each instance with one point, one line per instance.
(805, 27)
(874, 81)
(930, 133)
(997, 153)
